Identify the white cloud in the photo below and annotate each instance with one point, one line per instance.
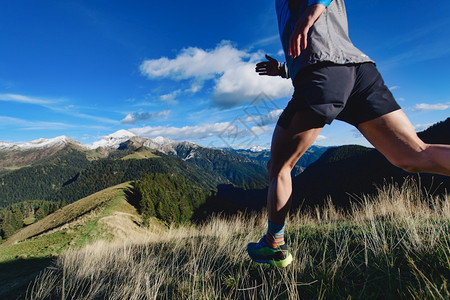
(24, 99)
(144, 116)
(422, 127)
(170, 97)
(195, 87)
(232, 71)
(321, 138)
(393, 87)
(241, 83)
(426, 106)
(261, 129)
(226, 131)
(270, 118)
(241, 132)
(183, 133)
(194, 62)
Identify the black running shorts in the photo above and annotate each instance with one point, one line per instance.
(351, 93)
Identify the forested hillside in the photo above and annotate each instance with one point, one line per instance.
(70, 175)
(39, 181)
(262, 157)
(107, 172)
(235, 169)
(18, 215)
(438, 133)
(170, 198)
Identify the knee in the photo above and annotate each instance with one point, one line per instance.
(412, 162)
(407, 165)
(277, 170)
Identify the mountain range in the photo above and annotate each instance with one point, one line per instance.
(16, 155)
(65, 170)
(62, 169)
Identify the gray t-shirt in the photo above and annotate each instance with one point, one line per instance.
(328, 39)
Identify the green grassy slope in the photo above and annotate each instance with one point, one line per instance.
(66, 214)
(103, 215)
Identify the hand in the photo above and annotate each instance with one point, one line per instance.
(270, 67)
(299, 37)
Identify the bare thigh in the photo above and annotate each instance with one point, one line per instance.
(394, 136)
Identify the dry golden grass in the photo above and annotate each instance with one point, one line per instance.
(395, 245)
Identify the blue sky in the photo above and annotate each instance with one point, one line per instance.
(185, 69)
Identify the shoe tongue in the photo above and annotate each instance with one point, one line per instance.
(262, 241)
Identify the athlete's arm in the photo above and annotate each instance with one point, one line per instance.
(299, 38)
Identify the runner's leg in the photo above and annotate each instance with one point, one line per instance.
(394, 136)
(288, 145)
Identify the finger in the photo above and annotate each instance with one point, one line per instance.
(270, 59)
(296, 43)
(295, 46)
(291, 46)
(304, 41)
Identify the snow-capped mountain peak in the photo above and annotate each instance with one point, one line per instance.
(257, 149)
(162, 140)
(113, 140)
(38, 144)
(122, 133)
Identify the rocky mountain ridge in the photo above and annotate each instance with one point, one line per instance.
(17, 155)
(116, 141)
